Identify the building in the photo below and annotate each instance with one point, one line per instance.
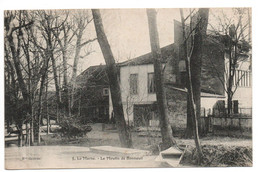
(138, 91)
(138, 88)
(92, 95)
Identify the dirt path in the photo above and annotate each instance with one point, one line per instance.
(36, 157)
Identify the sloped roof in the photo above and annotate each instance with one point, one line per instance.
(93, 74)
(203, 92)
(147, 58)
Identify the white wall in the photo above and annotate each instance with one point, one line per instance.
(244, 97)
(243, 94)
(142, 71)
(208, 103)
(142, 97)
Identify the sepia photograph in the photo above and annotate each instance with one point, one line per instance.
(127, 88)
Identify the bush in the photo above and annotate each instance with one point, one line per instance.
(219, 156)
(72, 128)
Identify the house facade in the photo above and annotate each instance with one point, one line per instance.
(138, 92)
(215, 71)
(242, 84)
(138, 87)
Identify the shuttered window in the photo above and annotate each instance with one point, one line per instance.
(133, 84)
(151, 84)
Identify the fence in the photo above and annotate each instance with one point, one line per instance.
(227, 124)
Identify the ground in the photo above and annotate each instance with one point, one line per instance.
(61, 151)
(69, 157)
(97, 137)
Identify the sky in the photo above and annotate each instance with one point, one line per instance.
(128, 34)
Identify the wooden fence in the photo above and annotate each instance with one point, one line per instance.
(230, 125)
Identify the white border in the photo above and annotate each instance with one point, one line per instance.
(78, 4)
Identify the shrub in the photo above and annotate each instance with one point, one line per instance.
(219, 156)
(72, 128)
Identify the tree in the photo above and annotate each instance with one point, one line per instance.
(46, 24)
(232, 35)
(193, 67)
(195, 33)
(82, 20)
(14, 44)
(63, 28)
(166, 131)
(69, 32)
(112, 72)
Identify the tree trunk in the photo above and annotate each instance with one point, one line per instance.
(193, 67)
(229, 103)
(193, 113)
(40, 108)
(75, 66)
(46, 100)
(15, 51)
(124, 133)
(189, 124)
(32, 128)
(65, 80)
(58, 98)
(230, 81)
(166, 131)
(43, 78)
(20, 135)
(15, 55)
(196, 60)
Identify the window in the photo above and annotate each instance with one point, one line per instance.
(105, 91)
(151, 84)
(133, 84)
(182, 66)
(242, 78)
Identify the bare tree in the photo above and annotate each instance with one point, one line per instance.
(15, 46)
(46, 25)
(81, 20)
(166, 131)
(33, 38)
(193, 67)
(124, 133)
(232, 34)
(62, 32)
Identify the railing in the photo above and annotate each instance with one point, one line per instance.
(224, 112)
(226, 124)
(246, 111)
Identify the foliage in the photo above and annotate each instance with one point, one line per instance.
(71, 127)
